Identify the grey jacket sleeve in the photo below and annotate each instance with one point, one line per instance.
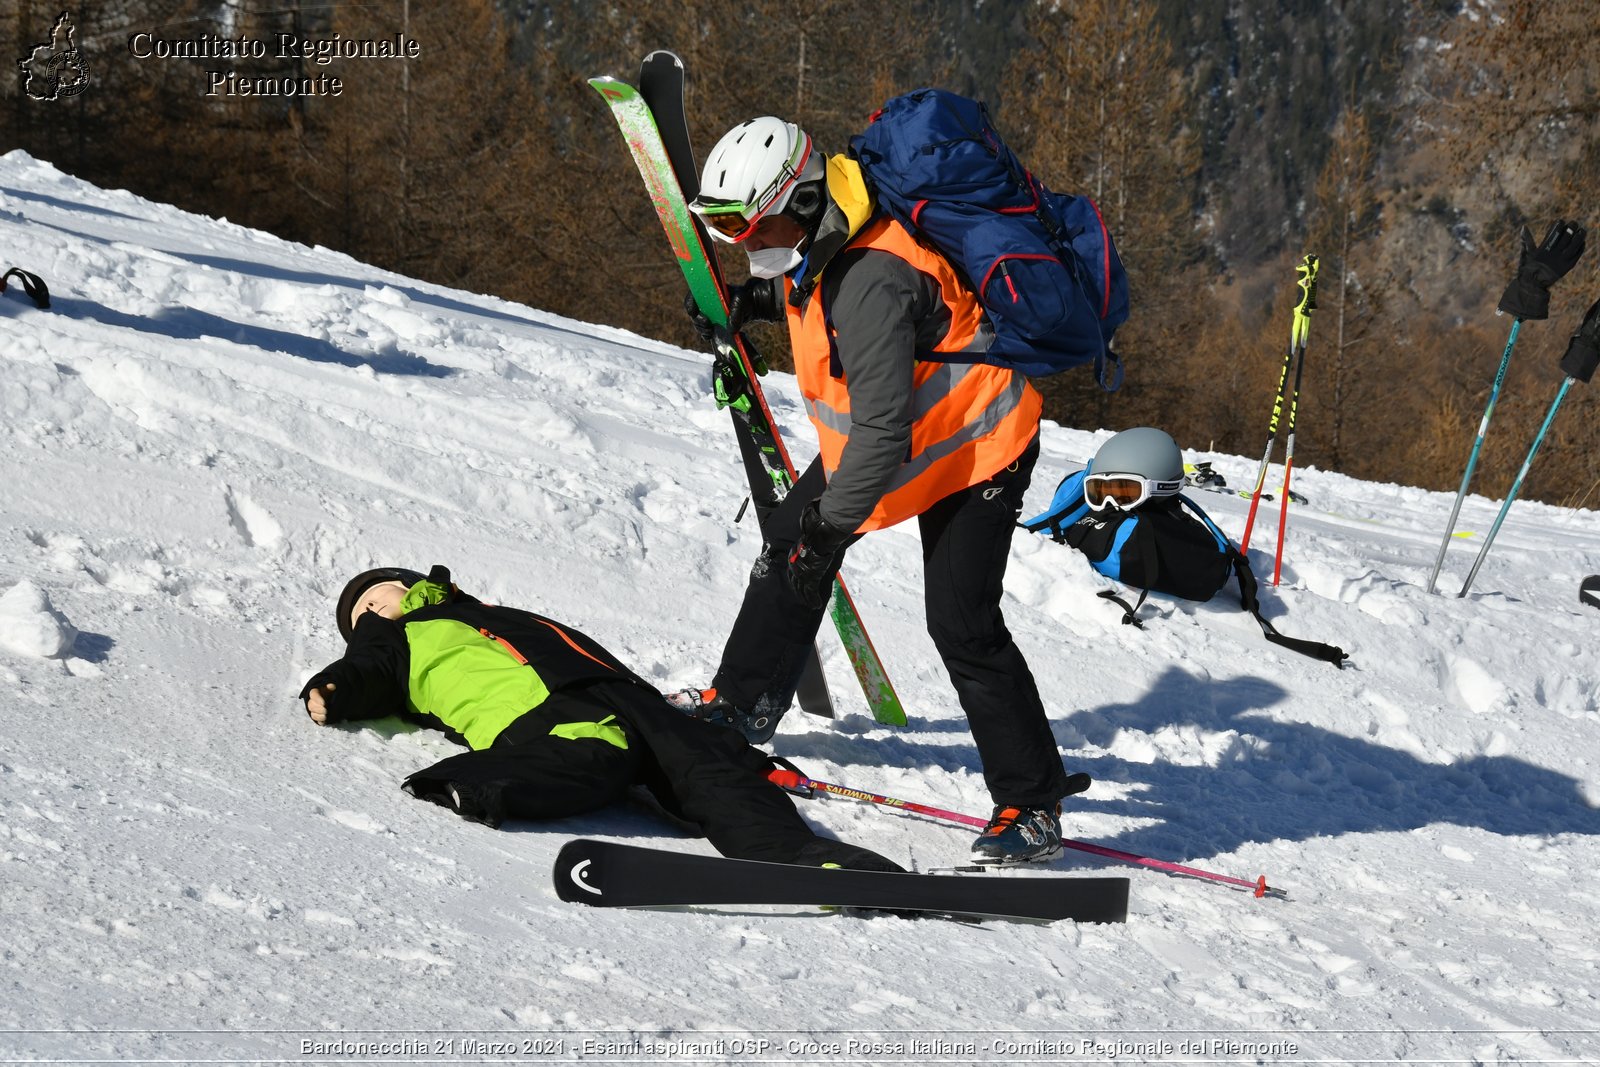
(883, 310)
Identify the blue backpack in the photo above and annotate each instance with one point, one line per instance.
(1169, 545)
(1042, 264)
(1158, 546)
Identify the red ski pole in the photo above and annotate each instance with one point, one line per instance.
(795, 782)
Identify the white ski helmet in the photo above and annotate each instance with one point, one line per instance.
(753, 171)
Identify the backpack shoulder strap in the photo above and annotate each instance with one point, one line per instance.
(32, 284)
(1067, 506)
(1129, 611)
(1251, 603)
(1144, 534)
(1247, 599)
(1223, 543)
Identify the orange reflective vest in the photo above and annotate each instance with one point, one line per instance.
(970, 419)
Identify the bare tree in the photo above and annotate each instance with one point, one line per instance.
(1099, 107)
(1350, 291)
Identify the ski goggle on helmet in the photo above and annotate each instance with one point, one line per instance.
(753, 172)
(1133, 467)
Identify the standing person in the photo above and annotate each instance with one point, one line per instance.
(871, 312)
(556, 725)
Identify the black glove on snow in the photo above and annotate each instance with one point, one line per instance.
(755, 300)
(1583, 354)
(1528, 295)
(815, 558)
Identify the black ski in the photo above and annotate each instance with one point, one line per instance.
(661, 80)
(607, 875)
(1201, 476)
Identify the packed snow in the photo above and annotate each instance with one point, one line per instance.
(211, 429)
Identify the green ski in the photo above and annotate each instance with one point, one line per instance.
(735, 367)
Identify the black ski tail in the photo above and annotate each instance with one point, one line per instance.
(608, 875)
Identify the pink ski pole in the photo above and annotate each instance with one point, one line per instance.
(795, 782)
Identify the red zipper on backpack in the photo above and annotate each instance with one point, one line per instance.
(999, 265)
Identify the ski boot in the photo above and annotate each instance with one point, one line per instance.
(1019, 835)
(758, 725)
(1201, 476)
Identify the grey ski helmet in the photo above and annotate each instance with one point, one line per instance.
(360, 584)
(1146, 453)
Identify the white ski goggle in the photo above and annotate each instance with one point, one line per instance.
(1124, 491)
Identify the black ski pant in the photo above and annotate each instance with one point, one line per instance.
(546, 765)
(966, 542)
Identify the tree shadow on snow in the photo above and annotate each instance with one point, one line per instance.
(190, 324)
(65, 205)
(411, 292)
(308, 348)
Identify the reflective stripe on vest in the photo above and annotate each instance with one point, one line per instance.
(969, 419)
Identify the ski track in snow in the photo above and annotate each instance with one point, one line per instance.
(212, 428)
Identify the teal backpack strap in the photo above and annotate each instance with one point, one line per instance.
(1223, 544)
(1067, 506)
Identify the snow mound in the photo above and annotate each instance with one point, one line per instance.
(31, 626)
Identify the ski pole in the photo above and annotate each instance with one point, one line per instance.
(1472, 460)
(1272, 439)
(795, 782)
(1307, 281)
(1296, 342)
(1579, 364)
(1516, 487)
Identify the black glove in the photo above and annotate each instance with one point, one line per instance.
(815, 558)
(1528, 295)
(1583, 354)
(755, 300)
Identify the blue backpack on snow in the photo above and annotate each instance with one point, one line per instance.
(1043, 264)
(1169, 545)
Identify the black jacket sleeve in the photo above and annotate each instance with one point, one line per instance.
(370, 680)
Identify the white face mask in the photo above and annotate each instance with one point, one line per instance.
(771, 262)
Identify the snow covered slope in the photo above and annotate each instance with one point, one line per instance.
(212, 429)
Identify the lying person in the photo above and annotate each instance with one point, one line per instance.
(557, 726)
